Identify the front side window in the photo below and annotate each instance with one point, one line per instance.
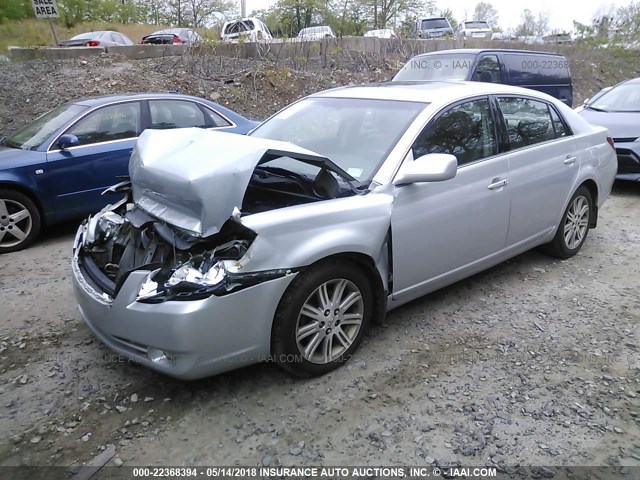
(466, 131)
(175, 114)
(115, 122)
(528, 121)
(488, 70)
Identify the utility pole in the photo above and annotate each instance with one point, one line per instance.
(243, 8)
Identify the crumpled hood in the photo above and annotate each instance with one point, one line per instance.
(193, 179)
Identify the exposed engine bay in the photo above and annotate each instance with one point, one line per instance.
(123, 238)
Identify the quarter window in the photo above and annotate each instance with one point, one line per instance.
(115, 122)
(465, 131)
(558, 124)
(528, 121)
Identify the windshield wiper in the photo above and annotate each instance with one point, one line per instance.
(589, 107)
(8, 143)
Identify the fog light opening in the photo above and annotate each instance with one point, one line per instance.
(162, 357)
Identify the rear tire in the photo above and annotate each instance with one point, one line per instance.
(19, 221)
(574, 226)
(322, 318)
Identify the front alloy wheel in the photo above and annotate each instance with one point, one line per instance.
(19, 221)
(322, 317)
(329, 321)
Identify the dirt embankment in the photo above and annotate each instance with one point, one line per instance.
(251, 87)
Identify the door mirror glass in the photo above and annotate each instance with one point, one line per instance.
(67, 140)
(432, 167)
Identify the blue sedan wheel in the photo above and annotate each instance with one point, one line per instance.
(19, 221)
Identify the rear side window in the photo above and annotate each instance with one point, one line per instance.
(175, 114)
(531, 69)
(528, 121)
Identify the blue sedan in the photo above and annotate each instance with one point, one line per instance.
(57, 167)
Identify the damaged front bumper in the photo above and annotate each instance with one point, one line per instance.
(187, 336)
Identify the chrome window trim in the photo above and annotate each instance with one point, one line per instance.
(118, 102)
(94, 144)
(232, 124)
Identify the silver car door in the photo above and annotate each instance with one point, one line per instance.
(543, 165)
(442, 230)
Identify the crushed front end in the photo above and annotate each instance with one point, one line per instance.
(178, 303)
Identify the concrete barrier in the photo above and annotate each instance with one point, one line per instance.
(24, 54)
(279, 49)
(137, 52)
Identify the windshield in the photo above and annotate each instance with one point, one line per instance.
(34, 134)
(436, 67)
(435, 23)
(355, 134)
(476, 25)
(623, 98)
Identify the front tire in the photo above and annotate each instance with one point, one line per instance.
(322, 318)
(574, 226)
(19, 221)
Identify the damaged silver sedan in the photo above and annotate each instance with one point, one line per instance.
(222, 251)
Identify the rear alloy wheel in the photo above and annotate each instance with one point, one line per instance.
(19, 221)
(574, 226)
(322, 318)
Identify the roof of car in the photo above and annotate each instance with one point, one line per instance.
(96, 101)
(475, 51)
(424, 91)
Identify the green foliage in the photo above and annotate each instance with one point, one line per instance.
(487, 12)
(15, 10)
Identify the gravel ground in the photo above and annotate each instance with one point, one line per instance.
(534, 362)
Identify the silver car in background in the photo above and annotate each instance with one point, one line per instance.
(285, 244)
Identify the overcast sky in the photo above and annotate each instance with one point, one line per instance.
(561, 13)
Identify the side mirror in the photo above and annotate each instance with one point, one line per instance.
(65, 141)
(433, 167)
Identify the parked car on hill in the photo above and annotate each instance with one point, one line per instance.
(618, 109)
(56, 167)
(432, 28)
(381, 33)
(173, 36)
(98, 39)
(316, 33)
(475, 29)
(542, 71)
(249, 29)
(287, 243)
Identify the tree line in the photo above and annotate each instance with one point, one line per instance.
(346, 17)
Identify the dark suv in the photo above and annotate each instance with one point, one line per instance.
(542, 71)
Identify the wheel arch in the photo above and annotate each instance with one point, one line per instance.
(368, 266)
(29, 193)
(592, 186)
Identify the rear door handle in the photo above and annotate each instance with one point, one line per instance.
(569, 160)
(498, 183)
